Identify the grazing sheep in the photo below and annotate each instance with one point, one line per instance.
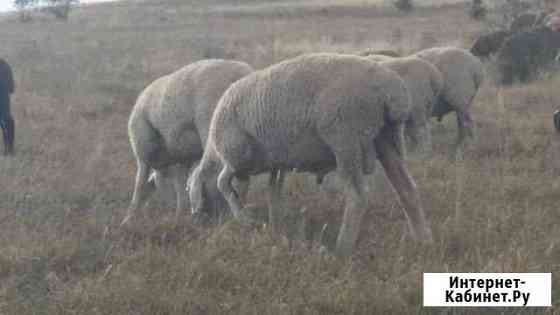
(424, 82)
(379, 52)
(7, 124)
(313, 113)
(463, 74)
(523, 55)
(488, 44)
(170, 122)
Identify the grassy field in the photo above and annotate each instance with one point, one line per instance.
(64, 192)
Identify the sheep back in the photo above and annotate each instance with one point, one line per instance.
(278, 117)
(379, 52)
(170, 119)
(423, 80)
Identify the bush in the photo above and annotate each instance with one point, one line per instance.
(60, 9)
(404, 5)
(477, 10)
(506, 11)
(23, 7)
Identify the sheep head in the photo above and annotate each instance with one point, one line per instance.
(205, 198)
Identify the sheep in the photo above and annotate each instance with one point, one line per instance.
(524, 22)
(7, 123)
(523, 55)
(463, 74)
(488, 44)
(424, 82)
(314, 113)
(530, 20)
(169, 123)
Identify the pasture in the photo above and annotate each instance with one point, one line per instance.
(68, 186)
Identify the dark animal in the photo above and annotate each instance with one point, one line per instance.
(556, 118)
(488, 44)
(523, 55)
(528, 21)
(524, 22)
(7, 124)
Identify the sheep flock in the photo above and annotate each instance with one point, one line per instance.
(216, 122)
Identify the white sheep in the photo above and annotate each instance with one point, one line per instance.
(463, 74)
(169, 123)
(425, 83)
(313, 113)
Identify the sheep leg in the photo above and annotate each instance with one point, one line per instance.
(225, 186)
(368, 157)
(142, 189)
(465, 127)
(349, 172)
(411, 131)
(425, 133)
(179, 181)
(420, 137)
(276, 181)
(404, 185)
(506, 74)
(163, 179)
(243, 188)
(320, 177)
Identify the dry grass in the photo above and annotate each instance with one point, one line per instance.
(63, 193)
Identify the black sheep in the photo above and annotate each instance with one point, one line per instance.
(488, 44)
(523, 55)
